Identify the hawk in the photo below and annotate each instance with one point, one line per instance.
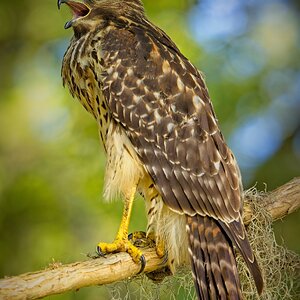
(162, 139)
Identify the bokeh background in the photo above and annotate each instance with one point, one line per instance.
(51, 162)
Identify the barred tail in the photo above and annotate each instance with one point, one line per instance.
(236, 232)
(213, 261)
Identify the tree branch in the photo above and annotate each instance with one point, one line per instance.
(279, 203)
(116, 267)
(63, 278)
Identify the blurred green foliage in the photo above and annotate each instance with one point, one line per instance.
(51, 162)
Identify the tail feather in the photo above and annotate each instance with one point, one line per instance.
(213, 262)
(198, 268)
(242, 243)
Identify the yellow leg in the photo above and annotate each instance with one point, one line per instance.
(121, 242)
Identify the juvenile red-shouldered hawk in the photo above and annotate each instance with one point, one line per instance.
(162, 139)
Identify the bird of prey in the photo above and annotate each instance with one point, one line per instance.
(162, 139)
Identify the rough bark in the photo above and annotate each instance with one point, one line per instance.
(116, 267)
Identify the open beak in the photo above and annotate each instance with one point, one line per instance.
(78, 9)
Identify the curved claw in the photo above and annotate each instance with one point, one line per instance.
(165, 259)
(99, 252)
(59, 3)
(130, 236)
(143, 264)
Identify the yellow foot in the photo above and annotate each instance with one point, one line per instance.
(140, 239)
(161, 250)
(123, 245)
(159, 245)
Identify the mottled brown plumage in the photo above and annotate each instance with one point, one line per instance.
(161, 135)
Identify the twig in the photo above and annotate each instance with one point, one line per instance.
(62, 278)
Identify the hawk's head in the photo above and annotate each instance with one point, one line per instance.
(89, 14)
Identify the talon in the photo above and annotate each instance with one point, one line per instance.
(99, 251)
(143, 264)
(165, 259)
(130, 236)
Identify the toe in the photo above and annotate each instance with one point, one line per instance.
(143, 264)
(137, 235)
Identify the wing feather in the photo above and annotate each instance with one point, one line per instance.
(163, 102)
